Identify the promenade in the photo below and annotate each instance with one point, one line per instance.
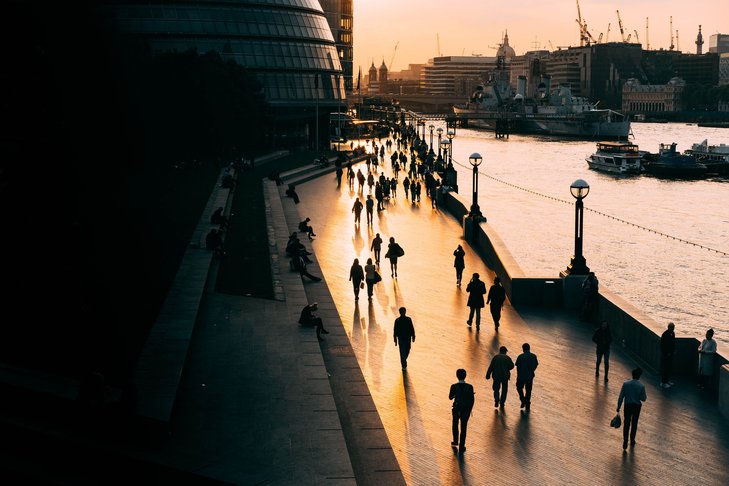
(566, 439)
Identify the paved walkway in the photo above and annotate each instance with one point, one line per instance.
(682, 439)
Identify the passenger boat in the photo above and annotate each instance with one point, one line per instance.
(714, 157)
(668, 162)
(616, 158)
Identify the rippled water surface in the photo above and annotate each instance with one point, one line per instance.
(668, 279)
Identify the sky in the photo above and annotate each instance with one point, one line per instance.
(465, 27)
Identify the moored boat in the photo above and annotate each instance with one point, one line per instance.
(670, 163)
(616, 158)
(714, 157)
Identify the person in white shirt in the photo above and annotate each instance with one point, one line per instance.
(633, 392)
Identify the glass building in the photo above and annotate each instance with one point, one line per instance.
(287, 44)
(339, 13)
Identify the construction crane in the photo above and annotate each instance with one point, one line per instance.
(670, 48)
(437, 36)
(392, 59)
(647, 41)
(637, 39)
(620, 23)
(599, 38)
(678, 46)
(550, 45)
(627, 39)
(607, 36)
(579, 22)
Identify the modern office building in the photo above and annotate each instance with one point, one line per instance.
(287, 44)
(340, 16)
(719, 43)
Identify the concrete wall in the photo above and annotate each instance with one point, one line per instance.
(724, 390)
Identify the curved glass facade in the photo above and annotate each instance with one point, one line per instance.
(287, 43)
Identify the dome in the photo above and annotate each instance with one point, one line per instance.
(505, 50)
(287, 44)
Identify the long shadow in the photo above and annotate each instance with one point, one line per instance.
(416, 435)
(376, 341)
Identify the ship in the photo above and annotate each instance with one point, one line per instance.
(670, 163)
(714, 157)
(616, 157)
(496, 106)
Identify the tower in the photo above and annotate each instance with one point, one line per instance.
(699, 41)
(383, 72)
(373, 72)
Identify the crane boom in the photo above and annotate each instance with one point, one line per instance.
(637, 39)
(392, 59)
(620, 23)
(671, 27)
(607, 36)
(437, 36)
(647, 41)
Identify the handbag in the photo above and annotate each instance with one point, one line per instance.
(378, 277)
(361, 285)
(616, 422)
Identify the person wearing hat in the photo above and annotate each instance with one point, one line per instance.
(500, 369)
(308, 319)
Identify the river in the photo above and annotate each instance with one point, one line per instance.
(524, 193)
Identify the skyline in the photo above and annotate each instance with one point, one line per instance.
(380, 26)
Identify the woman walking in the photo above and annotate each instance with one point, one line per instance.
(356, 275)
(707, 354)
(370, 272)
(394, 251)
(459, 264)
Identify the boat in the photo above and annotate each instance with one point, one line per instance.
(496, 106)
(714, 157)
(616, 158)
(670, 163)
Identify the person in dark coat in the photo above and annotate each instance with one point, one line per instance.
(291, 192)
(526, 363)
(602, 339)
(357, 210)
(394, 251)
(668, 347)
(458, 263)
(356, 275)
(308, 319)
(463, 397)
(500, 369)
(496, 299)
(376, 247)
(369, 208)
(476, 290)
(339, 173)
(404, 334)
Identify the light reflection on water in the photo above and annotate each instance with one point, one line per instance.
(668, 279)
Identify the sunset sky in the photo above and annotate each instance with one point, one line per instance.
(468, 27)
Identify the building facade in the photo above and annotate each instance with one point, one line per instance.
(652, 98)
(719, 43)
(340, 15)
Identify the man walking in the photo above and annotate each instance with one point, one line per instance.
(633, 392)
(668, 346)
(462, 395)
(404, 335)
(370, 204)
(602, 339)
(496, 299)
(526, 363)
(376, 247)
(357, 210)
(476, 290)
(500, 368)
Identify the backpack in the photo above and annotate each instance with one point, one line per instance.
(464, 397)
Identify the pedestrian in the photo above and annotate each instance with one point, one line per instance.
(394, 251)
(707, 353)
(496, 299)
(370, 181)
(526, 363)
(356, 275)
(602, 339)
(633, 392)
(379, 195)
(476, 290)
(433, 193)
(668, 347)
(406, 186)
(360, 180)
(417, 190)
(370, 279)
(590, 292)
(370, 204)
(309, 319)
(500, 369)
(463, 398)
(376, 247)
(393, 185)
(340, 172)
(459, 263)
(357, 210)
(404, 335)
(350, 176)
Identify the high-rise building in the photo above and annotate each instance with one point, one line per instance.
(719, 43)
(339, 14)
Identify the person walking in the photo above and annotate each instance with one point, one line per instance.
(526, 363)
(370, 278)
(356, 275)
(376, 247)
(707, 354)
(633, 392)
(404, 336)
(394, 251)
(463, 398)
(500, 369)
(406, 186)
(496, 299)
(357, 210)
(350, 176)
(459, 263)
(476, 290)
(668, 347)
(360, 180)
(369, 208)
(602, 339)
(370, 181)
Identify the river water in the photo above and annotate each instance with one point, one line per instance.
(524, 193)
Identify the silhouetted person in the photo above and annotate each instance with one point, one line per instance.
(219, 218)
(370, 279)
(590, 293)
(463, 397)
(376, 247)
(308, 319)
(633, 392)
(350, 176)
(404, 335)
(526, 363)
(300, 265)
(214, 242)
(707, 355)
(360, 180)
(357, 210)
(668, 347)
(406, 186)
(394, 251)
(340, 172)
(369, 207)
(602, 339)
(291, 192)
(500, 369)
(304, 227)
(459, 263)
(356, 275)
(476, 290)
(496, 299)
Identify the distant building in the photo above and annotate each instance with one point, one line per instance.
(699, 42)
(698, 69)
(652, 98)
(440, 73)
(724, 69)
(719, 43)
(339, 14)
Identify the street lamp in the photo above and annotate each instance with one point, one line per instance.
(475, 160)
(440, 132)
(579, 189)
(432, 127)
(451, 134)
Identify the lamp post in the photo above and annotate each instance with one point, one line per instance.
(440, 132)
(475, 160)
(451, 134)
(579, 189)
(432, 127)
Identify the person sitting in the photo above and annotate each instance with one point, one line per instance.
(291, 192)
(214, 242)
(308, 319)
(219, 218)
(299, 264)
(304, 227)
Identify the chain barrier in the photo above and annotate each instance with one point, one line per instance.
(609, 216)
